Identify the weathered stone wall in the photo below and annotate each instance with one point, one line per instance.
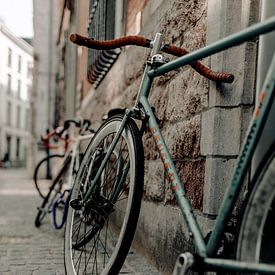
(179, 99)
(226, 118)
(202, 122)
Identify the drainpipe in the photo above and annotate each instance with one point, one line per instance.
(266, 50)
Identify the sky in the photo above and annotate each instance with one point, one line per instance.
(18, 15)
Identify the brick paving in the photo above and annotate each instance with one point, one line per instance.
(25, 249)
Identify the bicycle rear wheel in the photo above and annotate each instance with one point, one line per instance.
(57, 187)
(256, 241)
(43, 174)
(99, 233)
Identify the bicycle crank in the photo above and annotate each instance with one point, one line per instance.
(183, 263)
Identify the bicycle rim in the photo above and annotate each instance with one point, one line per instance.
(43, 181)
(98, 236)
(256, 242)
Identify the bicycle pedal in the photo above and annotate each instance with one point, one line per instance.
(76, 204)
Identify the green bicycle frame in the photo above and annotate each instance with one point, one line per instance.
(253, 136)
(206, 251)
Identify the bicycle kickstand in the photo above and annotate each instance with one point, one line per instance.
(183, 263)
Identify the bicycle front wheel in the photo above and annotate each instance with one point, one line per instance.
(44, 173)
(256, 242)
(99, 232)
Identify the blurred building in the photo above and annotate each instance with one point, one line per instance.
(45, 91)
(72, 71)
(16, 62)
(45, 21)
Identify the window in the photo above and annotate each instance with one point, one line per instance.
(9, 57)
(17, 148)
(29, 70)
(9, 84)
(9, 113)
(19, 89)
(102, 25)
(19, 63)
(29, 92)
(18, 124)
(8, 142)
(27, 120)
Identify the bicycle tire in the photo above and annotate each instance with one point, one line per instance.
(61, 201)
(114, 255)
(256, 242)
(55, 189)
(38, 179)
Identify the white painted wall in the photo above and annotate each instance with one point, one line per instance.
(15, 123)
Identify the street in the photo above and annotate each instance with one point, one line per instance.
(25, 249)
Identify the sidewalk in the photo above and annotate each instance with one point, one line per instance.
(24, 249)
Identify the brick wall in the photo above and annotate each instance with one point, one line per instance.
(201, 121)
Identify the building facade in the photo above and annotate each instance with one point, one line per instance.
(45, 21)
(16, 63)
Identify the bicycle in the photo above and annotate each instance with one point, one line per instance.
(58, 195)
(43, 172)
(98, 236)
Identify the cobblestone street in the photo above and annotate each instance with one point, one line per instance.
(24, 249)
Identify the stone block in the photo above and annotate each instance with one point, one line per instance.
(158, 99)
(218, 174)
(162, 233)
(181, 17)
(191, 174)
(188, 95)
(247, 113)
(150, 148)
(240, 61)
(233, 16)
(183, 138)
(154, 188)
(220, 132)
(134, 63)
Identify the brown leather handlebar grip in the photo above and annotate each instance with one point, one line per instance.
(110, 44)
(198, 66)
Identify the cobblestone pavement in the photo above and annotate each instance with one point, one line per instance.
(25, 249)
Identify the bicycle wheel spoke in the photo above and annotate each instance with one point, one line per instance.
(105, 242)
(95, 257)
(78, 231)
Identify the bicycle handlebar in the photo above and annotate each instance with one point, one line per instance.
(110, 44)
(199, 66)
(144, 42)
(53, 133)
(82, 124)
